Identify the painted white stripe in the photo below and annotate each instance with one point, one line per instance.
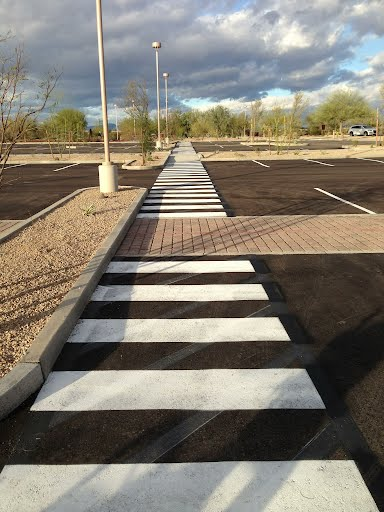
(180, 267)
(203, 390)
(181, 201)
(208, 188)
(369, 159)
(317, 162)
(183, 175)
(260, 163)
(173, 330)
(183, 207)
(345, 201)
(269, 486)
(179, 214)
(66, 167)
(179, 292)
(171, 195)
(183, 182)
(11, 166)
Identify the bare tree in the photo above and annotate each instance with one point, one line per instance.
(136, 105)
(21, 100)
(293, 121)
(257, 112)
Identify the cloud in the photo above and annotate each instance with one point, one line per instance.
(212, 49)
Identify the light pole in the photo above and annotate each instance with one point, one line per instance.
(166, 76)
(156, 45)
(117, 126)
(134, 119)
(107, 171)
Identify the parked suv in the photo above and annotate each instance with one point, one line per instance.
(361, 129)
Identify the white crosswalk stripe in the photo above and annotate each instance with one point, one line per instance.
(182, 177)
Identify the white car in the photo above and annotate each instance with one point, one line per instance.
(361, 129)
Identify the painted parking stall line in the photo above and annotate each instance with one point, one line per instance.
(318, 162)
(345, 201)
(66, 167)
(260, 163)
(369, 160)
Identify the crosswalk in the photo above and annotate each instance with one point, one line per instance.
(171, 394)
(183, 189)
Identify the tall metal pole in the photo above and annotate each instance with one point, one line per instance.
(102, 79)
(156, 45)
(166, 75)
(107, 171)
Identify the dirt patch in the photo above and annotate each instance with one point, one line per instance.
(39, 265)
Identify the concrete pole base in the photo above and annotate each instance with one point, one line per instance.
(167, 140)
(108, 178)
(159, 145)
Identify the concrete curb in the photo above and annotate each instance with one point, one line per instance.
(13, 230)
(32, 371)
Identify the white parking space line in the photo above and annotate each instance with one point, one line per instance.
(198, 390)
(11, 166)
(318, 162)
(345, 201)
(66, 167)
(271, 486)
(260, 163)
(174, 330)
(176, 292)
(174, 266)
(369, 159)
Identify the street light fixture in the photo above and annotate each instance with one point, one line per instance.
(157, 45)
(166, 76)
(107, 171)
(117, 126)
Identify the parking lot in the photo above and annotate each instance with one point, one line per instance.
(44, 148)
(27, 189)
(300, 187)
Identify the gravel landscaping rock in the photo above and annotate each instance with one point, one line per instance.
(40, 264)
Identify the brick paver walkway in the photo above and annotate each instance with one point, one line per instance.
(297, 234)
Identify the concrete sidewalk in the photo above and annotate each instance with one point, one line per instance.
(296, 234)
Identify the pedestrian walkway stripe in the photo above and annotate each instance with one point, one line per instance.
(345, 201)
(180, 267)
(182, 193)
(164, 215)
(174, 200)
(199, 390)
(176, 292)
(178, 330)
(190, 207)
(310, 485)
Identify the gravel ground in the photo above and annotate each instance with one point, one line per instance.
(40, 264)
(352, 152)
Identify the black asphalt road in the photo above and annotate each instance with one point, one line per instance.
(76, 148)
(287, 187)
(336, 336)
(29, 189)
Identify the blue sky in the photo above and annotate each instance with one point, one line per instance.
(217, 51)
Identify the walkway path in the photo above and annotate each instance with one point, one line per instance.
(182, 189)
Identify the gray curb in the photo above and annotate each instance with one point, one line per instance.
(30, 373)
(13, 230)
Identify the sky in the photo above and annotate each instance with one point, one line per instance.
(224, 52)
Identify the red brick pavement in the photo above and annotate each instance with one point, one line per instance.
(297, 234)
